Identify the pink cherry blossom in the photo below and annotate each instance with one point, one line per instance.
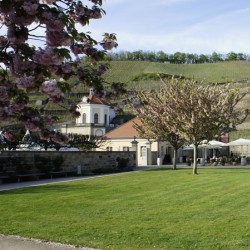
(51, 88)
(30, 7)
(109, 44)
(47, 57)
(54, 21)
(25, 82)
(58, 38)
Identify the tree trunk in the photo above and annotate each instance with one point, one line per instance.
(174, 159)
(195, 160)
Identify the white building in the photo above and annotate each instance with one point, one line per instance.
(95, 117)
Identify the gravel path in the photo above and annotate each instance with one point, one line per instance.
(21, 243)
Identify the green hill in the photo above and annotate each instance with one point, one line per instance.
(125, 71)
(139, 74)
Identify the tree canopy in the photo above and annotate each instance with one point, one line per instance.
(42, 49)
(190, 110)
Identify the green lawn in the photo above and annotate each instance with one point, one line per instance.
(162, 209)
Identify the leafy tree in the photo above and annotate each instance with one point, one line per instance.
(56, 25)
(191, 111)
(151, 129)
(161, 56)
(215, 57)
(232, 56)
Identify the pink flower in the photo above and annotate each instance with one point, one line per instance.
(95, 13)
(17, 107)
(51, 88)
(109, 44)
(54, 20)
(19, 67)
(30, 8)
(47, 56)
(25, 82)
(58, 38)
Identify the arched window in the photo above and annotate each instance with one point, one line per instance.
(83, 118)
(95, 118)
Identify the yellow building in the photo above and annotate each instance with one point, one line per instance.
(149, 152)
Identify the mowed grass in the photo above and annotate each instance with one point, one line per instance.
(161, 209)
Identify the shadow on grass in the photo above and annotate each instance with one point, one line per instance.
(165, 169)
(52, 188)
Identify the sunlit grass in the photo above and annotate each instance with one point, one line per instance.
(161, 209)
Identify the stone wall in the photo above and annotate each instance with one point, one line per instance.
(88, 162)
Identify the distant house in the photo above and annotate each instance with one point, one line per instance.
(123, 137)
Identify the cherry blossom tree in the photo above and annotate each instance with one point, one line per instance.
(191, 111)
(57, 25)
(149, 109)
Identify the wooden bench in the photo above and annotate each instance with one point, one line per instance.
(34, 175)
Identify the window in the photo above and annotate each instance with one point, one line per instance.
(109, 148)
(83, 118)
(125, 148)
(95, 118)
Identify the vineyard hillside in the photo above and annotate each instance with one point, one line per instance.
(125, 71)
(138, 74)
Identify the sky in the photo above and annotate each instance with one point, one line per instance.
(190, 26)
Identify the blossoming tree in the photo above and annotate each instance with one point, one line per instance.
(26, 68)
(191, 111)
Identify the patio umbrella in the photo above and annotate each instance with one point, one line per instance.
(215, 143)
(240, 142)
